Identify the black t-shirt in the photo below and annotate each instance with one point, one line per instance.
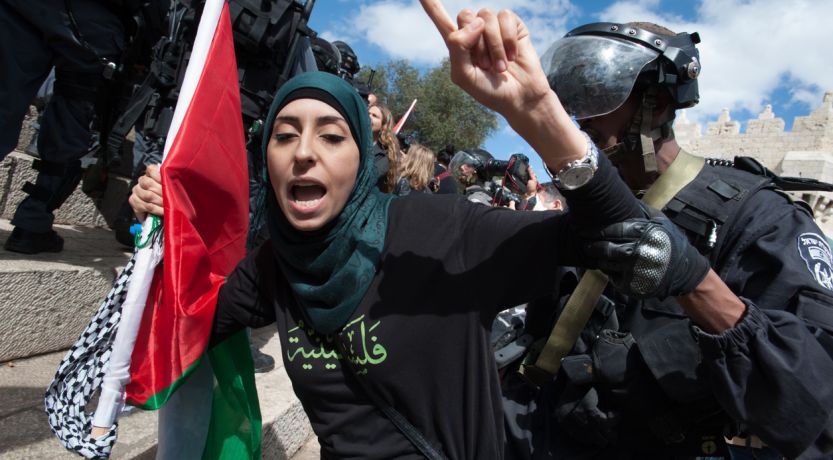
(420, 336)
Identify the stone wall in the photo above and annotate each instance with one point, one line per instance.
(806, 151)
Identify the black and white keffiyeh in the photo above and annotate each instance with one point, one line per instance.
(80, 376)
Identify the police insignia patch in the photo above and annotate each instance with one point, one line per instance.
(816, 254)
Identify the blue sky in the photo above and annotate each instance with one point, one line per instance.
(754, 52)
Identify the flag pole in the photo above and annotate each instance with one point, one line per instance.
(148, 257)
(401, 122)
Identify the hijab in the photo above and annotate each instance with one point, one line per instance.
(331, 269)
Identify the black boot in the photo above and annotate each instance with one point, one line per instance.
(27, 242)
(263, 362)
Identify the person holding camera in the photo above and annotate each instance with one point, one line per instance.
(485, 180)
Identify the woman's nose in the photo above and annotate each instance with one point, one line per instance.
(305, 151)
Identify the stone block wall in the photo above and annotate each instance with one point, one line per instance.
(806, 151)
(764, 139)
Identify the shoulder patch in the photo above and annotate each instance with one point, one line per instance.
(816, 254)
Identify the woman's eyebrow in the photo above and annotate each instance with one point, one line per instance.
(322, 120)
(287, 119)
(328, 119)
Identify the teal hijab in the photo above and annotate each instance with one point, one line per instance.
(331, 269)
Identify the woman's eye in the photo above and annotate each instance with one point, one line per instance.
(283, 137)
(332, 138)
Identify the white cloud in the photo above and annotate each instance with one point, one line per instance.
(751, 49)
(403, 30)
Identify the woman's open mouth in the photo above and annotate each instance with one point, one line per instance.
(306, 197)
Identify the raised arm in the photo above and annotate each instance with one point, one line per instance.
(493, 60)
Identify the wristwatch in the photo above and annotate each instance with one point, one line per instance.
(578, 172)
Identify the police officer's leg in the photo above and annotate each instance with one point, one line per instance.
(26, 61)
(41, 99)
(65, 131)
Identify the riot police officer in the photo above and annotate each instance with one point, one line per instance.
(83, 40)
(683, 377)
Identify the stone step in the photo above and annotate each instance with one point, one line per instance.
(25, 434)
(47, 299)
(309, 451)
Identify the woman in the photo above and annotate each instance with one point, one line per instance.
(390, 300)
(386, 147)
(417, 171)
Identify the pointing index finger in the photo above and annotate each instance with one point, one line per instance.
(437, 13)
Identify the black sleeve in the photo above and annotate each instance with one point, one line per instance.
(602, 201)
(243, 299)
(511, 256)
(773, 370)
(515, 254)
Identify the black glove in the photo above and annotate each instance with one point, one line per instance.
(646, 258)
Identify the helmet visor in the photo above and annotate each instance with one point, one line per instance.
(464, 167)
(593, 76)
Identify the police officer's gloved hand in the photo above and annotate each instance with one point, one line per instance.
(646, 258)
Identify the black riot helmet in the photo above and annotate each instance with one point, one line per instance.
(327, 56)
(470, 166)
(349, 60)
(595, 67)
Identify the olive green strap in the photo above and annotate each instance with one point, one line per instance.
(583, 301)
(679, 174)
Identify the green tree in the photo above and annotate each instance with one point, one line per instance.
(444, 113)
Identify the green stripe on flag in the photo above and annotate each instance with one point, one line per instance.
(235, 429)
(159, 399)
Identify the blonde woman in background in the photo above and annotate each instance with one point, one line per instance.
(416, 172)
(385, 146)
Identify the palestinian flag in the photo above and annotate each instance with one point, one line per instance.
(205, 185)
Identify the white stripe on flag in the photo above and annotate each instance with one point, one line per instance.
(147, 258)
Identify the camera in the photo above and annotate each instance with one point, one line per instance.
(476, 169)
(502, 196)
(478, 165)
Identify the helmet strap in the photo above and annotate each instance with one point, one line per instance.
(649, 103)
(641, 137)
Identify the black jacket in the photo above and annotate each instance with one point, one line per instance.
(661, 384)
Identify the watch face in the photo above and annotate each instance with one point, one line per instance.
(576, 177)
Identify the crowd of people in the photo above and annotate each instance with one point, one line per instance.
(695, 323)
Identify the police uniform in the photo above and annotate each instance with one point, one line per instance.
(643, 380)
(77, 37)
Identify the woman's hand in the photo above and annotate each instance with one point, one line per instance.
(492, 57)
(147, 194)
(493, 60)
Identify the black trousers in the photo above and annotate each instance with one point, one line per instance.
(36, 36)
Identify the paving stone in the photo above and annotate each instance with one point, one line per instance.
(47, 299)
(25, 434)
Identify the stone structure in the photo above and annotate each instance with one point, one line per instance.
(806, 151)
